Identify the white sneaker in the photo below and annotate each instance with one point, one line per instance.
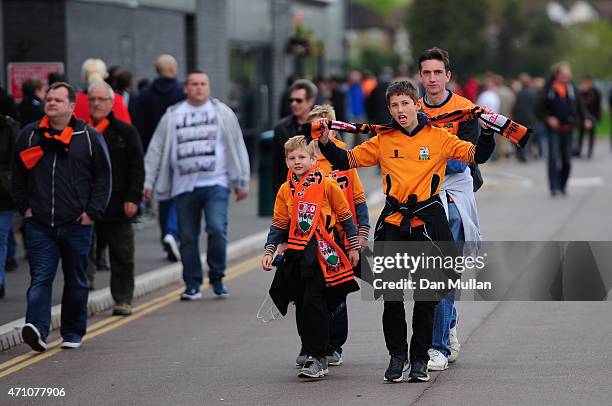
(70, 344)
(437, 360)
(453, 344)
(172, 246)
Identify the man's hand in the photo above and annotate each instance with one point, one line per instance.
(27, 214)
(324, 138)
(266, 263)
(146, 194)
(130, 209)
(353, 256)
(240, 194)
(588, 124)
(281, 248)
(363, 243)
(85, 220)
(553, 122)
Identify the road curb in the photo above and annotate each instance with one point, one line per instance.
(101, 300)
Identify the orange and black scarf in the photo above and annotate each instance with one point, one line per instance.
(502, 125)
(308, 195)
(515, 132)
(101, 126)
(48, 143)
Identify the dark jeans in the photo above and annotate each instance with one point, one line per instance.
(6, 225)
(214, 202)
(46, 246)
(559, 157)
(168, 222)
(120, 239)
(591, 134)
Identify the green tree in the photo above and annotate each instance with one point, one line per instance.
(590, 51)
(539, 49)
(374, 59)
(384, 7)
(506, 52)
(457, 26)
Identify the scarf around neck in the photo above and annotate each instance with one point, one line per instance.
(48, 143)
(308, 196)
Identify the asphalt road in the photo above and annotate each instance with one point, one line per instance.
(215, 352)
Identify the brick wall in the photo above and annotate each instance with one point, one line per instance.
(33, 31)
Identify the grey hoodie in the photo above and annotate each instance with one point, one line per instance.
(158, 163)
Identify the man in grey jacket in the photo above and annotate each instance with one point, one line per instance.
(196, 156)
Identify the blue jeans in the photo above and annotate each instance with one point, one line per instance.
(214, 202)
(6, 224)
(12, 246)
(46, 246)
(559, 157)
(445, 316)
(168, 222)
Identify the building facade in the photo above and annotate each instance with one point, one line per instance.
(240, 43)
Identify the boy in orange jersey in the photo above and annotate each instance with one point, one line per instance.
(351, 185)
(412, 155)
(315, 273)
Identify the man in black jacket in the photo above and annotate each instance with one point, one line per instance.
(31, 108)
(148, 108)
(591, 97)
(61, 183)
(563, 111)
(8, 133)
(115, 225)
(302, 96)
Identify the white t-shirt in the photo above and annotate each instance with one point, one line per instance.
(489, 99)
(198, 152)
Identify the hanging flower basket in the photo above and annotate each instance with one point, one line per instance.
(298, 46)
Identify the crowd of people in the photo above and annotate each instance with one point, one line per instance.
(78, 168)
(359, 97)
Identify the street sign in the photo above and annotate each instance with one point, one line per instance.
(19, 72)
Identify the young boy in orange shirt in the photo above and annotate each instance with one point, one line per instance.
(351, 185)
(315, 274)
(412, 155)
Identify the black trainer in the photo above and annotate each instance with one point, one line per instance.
(31, 336)
(397, 365)
(418, 372)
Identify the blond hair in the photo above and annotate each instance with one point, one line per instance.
(93, 70)
(299, 142)
(321, 111)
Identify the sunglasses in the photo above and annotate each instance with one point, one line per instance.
(298, 101)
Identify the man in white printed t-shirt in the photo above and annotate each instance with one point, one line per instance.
(197, 156)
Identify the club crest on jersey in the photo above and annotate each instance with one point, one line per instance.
(424, 154)
(306, 214)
